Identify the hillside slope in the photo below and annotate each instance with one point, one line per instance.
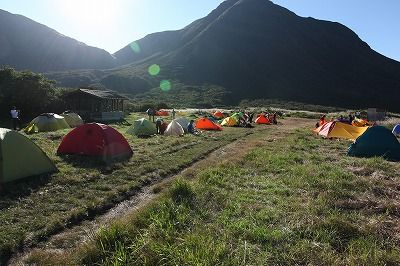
(26, 44)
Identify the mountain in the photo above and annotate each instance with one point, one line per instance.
(26, 44)
(252, 49)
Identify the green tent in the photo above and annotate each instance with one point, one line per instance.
(20, 157)
(238, 116)
(46, 122)
(142, 127)
(376, 141)
(73, 119)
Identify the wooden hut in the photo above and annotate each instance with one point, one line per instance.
(96, 105)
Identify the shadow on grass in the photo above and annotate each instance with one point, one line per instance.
(12, 191)
(105, 165)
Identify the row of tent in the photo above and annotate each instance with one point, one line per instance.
(91, 139)
(52, 122)
(234, 119)
(368, 141)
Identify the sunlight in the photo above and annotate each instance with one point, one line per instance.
(89, 12)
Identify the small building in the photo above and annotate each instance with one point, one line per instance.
(96, 105)
(375, 114)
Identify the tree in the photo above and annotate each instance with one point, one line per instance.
(32, 93)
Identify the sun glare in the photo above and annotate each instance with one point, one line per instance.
(88, 12)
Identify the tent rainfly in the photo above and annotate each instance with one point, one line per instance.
(16, 149)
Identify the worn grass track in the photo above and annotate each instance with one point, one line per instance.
(294, 201)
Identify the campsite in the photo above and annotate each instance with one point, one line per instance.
(86, 193)
(218, 132)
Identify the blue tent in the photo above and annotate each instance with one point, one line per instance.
(376, 141)
(396, 130)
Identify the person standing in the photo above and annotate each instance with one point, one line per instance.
(15, 118)
(173, 113)
(159, 122)
(190, 127)
(150, 112)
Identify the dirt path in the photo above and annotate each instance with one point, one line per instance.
(71, 237)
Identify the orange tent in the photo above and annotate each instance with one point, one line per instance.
(340, 130)
(262, 120)
(218, 115)
(207, 124)
(162, 113)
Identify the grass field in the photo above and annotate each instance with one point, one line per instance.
(31, 210)
(296, 201)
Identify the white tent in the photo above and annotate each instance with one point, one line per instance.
(183, 122)
(174, 129)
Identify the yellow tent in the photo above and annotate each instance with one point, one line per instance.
(229, 122)
(341, 130)
(46, 122)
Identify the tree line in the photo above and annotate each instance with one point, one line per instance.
(30, 92)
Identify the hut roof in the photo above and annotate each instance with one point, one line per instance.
(103, 94)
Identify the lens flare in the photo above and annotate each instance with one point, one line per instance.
(135, 47)
(154, 70)
(165, 85)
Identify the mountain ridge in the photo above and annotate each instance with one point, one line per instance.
(253, 49)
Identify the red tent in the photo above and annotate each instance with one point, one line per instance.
(95, 140)
(207, 124)
(162, 113)
(218, 115)
(262, 120)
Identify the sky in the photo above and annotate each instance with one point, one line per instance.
(112, 24)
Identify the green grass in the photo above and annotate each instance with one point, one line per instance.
(33, 209)
(300, 201)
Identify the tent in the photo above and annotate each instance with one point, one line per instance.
(396, 130)
(218, 115)
(142, 127)
(174, 129)
(340, 130)
(95, 140)
(229, 122)
(207, 124)
(183, 122)
(73, 119)
(376, 141)
(262, 120)
(20, 157)
(46, 122)
(360, 122)
(162, 113)
(238, 116)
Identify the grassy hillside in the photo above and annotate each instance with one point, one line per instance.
(296, 201)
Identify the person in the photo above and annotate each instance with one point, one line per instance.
(322, 120)
(173, 113)
(150, 112)
(251, 115)
(190, 127)
(274, 119)
(15, 118)
(351, 118)
(159, 122)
